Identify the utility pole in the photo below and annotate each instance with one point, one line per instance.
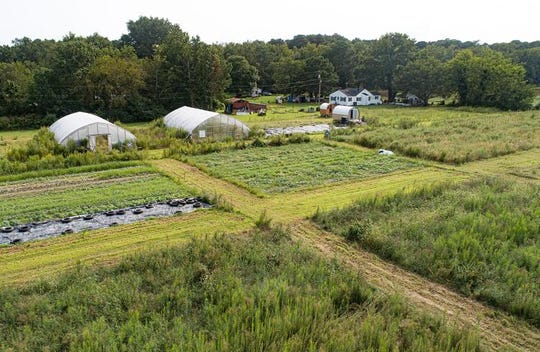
(320, 81)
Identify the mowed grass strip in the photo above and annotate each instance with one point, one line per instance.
(297, 166)
(41, 259)
(524, 164)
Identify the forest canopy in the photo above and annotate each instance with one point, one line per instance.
(156, 67)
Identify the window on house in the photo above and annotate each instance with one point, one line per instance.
(350, 99)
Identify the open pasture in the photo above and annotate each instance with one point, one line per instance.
(53, 197)
(297, 166)
(449, 135)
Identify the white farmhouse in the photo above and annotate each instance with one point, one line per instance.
(354, 96)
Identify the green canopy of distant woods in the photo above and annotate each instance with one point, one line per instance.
(157, 67)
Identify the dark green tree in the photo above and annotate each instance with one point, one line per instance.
(384, 57)
(59, 88)
(195, 73)
(15, 81)
(530, 59)
(244, 76)
(490, 79)
(424, 76)
(112, 81)
(146, 33)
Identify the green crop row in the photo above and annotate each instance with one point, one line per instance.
(297, 166)
(95, 192)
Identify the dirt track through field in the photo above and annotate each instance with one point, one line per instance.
(496, 329)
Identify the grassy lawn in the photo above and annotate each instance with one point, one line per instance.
(45, 198)
(297, 166)
(480, 236)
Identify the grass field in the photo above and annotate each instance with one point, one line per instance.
(14, 139)
(296, 166)
(448, 135)
(443, 226)
(46, 198)
(264, 293)
(480, 236)
(46, 259)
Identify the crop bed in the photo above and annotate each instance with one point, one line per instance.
(47, 198)
(297, 166)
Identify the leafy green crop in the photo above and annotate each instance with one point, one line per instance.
(297, 166)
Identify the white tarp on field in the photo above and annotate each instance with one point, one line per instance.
(299, 129)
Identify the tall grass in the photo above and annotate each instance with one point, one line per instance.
(452, 136)
(482, 237)
(262, 293)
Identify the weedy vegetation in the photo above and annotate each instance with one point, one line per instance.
(480, 236)
(263, 292)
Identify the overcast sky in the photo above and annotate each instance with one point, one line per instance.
(238, 21)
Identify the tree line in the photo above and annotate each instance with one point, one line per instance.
(157, 67)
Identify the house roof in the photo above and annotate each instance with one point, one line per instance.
(351, 92)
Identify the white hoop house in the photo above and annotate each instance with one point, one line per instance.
(81, 126)
(201, 124)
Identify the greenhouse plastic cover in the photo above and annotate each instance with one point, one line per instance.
(80, 125)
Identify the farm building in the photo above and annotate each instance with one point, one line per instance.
(241, 106)
(82, 126)
(345, 114)
(201, 124)
(354, 96)
(326, 109)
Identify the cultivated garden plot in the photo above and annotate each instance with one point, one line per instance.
(297, 166)
(57, 197)
(481, 237)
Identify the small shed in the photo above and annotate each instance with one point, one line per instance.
(202, 124)
(344, 114)
(82, 126)
(326, 109)
(241, 106)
